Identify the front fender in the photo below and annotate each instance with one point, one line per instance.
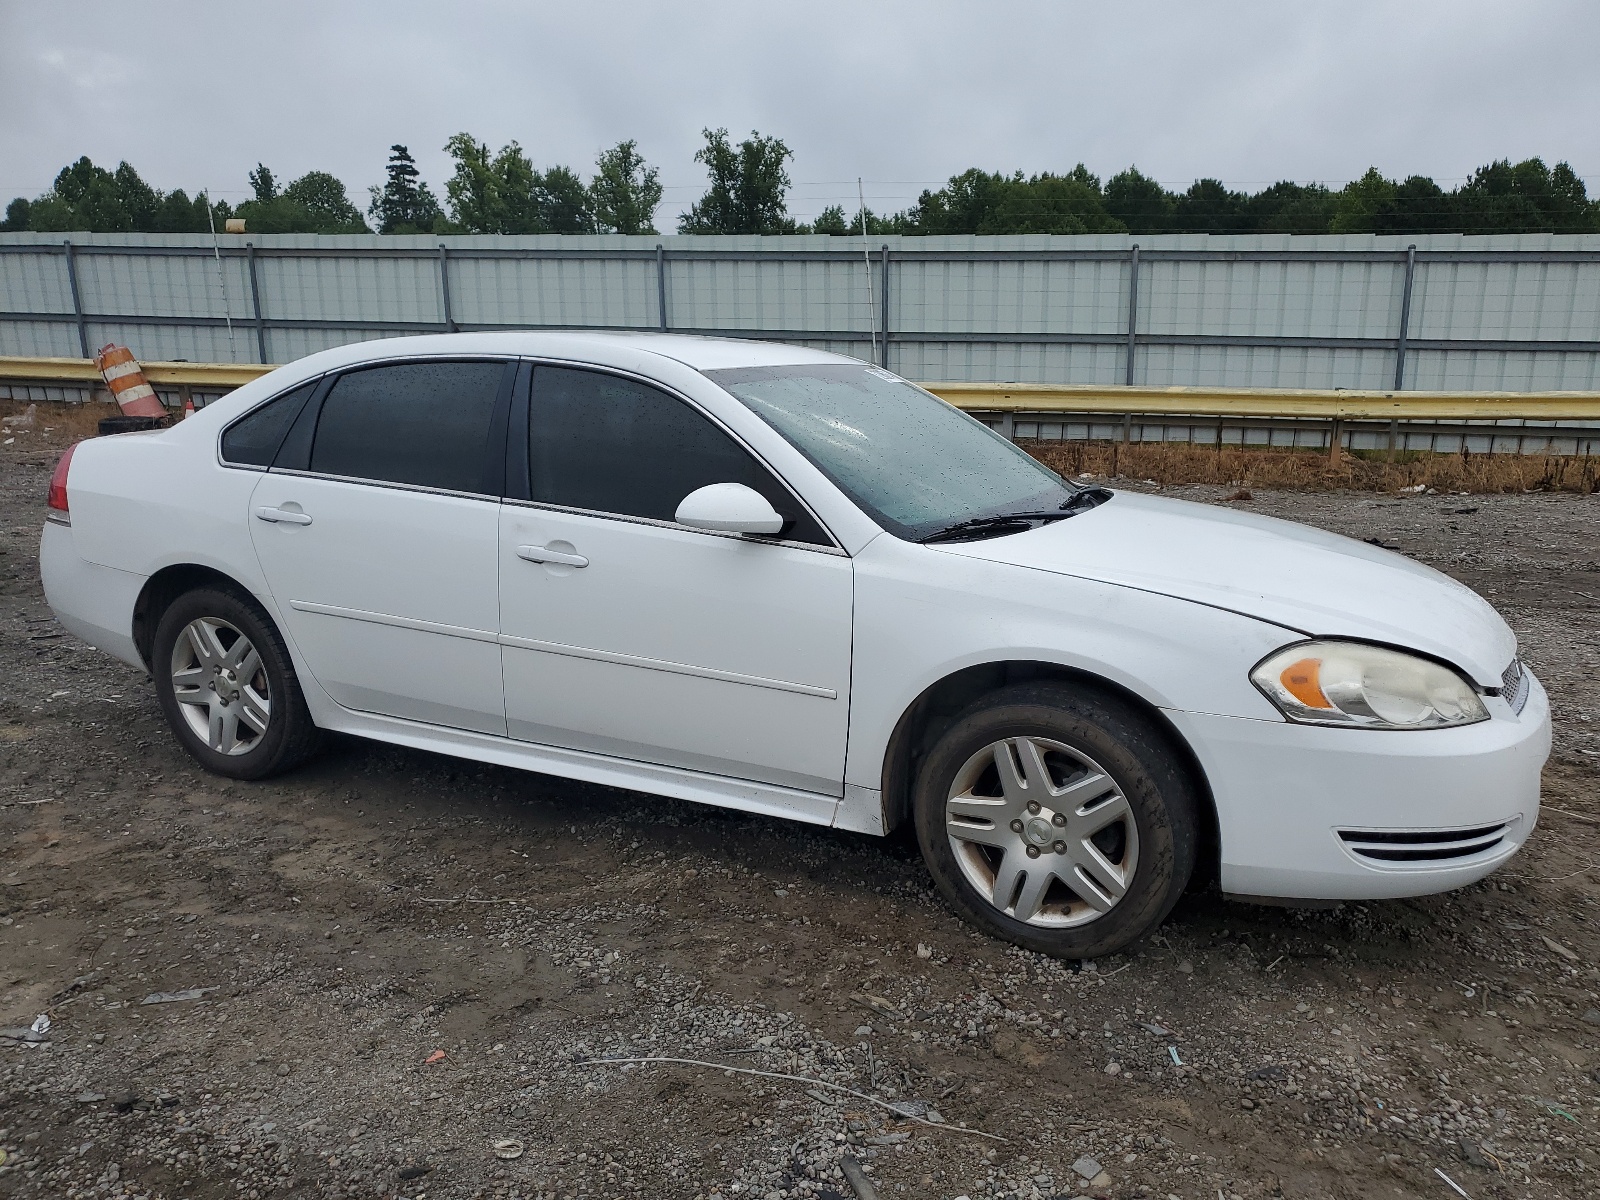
(921, 616)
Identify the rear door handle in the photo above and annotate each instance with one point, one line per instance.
(539, 554)
(282, 516)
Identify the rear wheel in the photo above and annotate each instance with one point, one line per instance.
(1057, 818)
(228, 687)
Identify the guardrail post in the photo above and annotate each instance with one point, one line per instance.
(1133, 315)
(77, 300)
(255, 302)
(884, 304)
(444, 287)
(1405, 319)
(661, 286)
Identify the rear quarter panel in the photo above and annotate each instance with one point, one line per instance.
(144, 501)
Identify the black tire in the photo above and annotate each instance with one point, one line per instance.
(290, 736)
(1161, 803)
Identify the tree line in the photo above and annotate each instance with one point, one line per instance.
(747, 192)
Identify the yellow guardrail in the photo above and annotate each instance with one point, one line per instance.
(1271, 402)
(1022, 397)
(162, 374)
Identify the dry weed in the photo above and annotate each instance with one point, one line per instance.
(1238, 468)
(56, 424)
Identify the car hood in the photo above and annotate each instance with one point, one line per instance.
(1309, 581)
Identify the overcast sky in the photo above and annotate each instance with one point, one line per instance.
(902, 93)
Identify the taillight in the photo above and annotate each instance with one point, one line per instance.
(58, 485)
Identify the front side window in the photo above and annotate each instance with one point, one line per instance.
(915, 464)
(427, 424)
(253, 439)
(613, 445)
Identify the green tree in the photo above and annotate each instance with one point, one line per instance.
(1374, 204)
(403, 205)
(87, 198)
(626, 191)
(16, 216)
(472, 191)
(324, 197)
(1527, 197)
(314, 203)
(1047, 203)
(507, 194)
(1139, 202)
(832, 220)
(521, 191)
(565, 204)
(748, 190)
(958, 207)
(1209, 207)
(176, 213)
(1290, 208)
(263, 185)
(980, 202)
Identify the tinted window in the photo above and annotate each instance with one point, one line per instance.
(612, 445)
(254, 438)
(426, 423)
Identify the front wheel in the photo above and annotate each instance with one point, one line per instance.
(228, 688)
(1057, 818)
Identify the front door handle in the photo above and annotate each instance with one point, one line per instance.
(540, 554)
(282, 516)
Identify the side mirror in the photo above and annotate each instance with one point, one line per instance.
(729, 508)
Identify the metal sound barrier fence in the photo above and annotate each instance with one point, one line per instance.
(1446, 313)
(1515, 313)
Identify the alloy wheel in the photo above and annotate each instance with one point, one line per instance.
(1042, 832)
(221, 685)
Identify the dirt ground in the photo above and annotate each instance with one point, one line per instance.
(408, 959)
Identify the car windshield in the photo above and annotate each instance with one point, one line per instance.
(915, 464)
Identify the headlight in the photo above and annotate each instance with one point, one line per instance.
(1366, 687)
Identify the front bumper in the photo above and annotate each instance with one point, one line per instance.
(1306, 812)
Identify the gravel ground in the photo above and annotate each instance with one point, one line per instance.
(409, 960)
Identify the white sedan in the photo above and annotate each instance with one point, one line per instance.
(787, 582)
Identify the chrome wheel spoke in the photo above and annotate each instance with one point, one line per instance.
(1023, 775)
(980, 808)
(191, 680)
(992, 834)
(203, 639)
(254, 711)
(1013, 867)
(244, 660)
(221, 730)
(1080, 791)
(1099, 882)
(1031, 898)
(1103, 816)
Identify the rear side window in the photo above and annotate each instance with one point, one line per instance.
(428, 424)
(253, 439)
(613, 445)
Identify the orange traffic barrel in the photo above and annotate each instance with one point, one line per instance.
(134, 396)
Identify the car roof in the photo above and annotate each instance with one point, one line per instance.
(599, 346)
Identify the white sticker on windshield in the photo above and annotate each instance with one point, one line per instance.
(880, 373)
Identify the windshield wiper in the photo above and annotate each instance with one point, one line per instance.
(982, 525)
(1086, 498)
(1080, 501)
